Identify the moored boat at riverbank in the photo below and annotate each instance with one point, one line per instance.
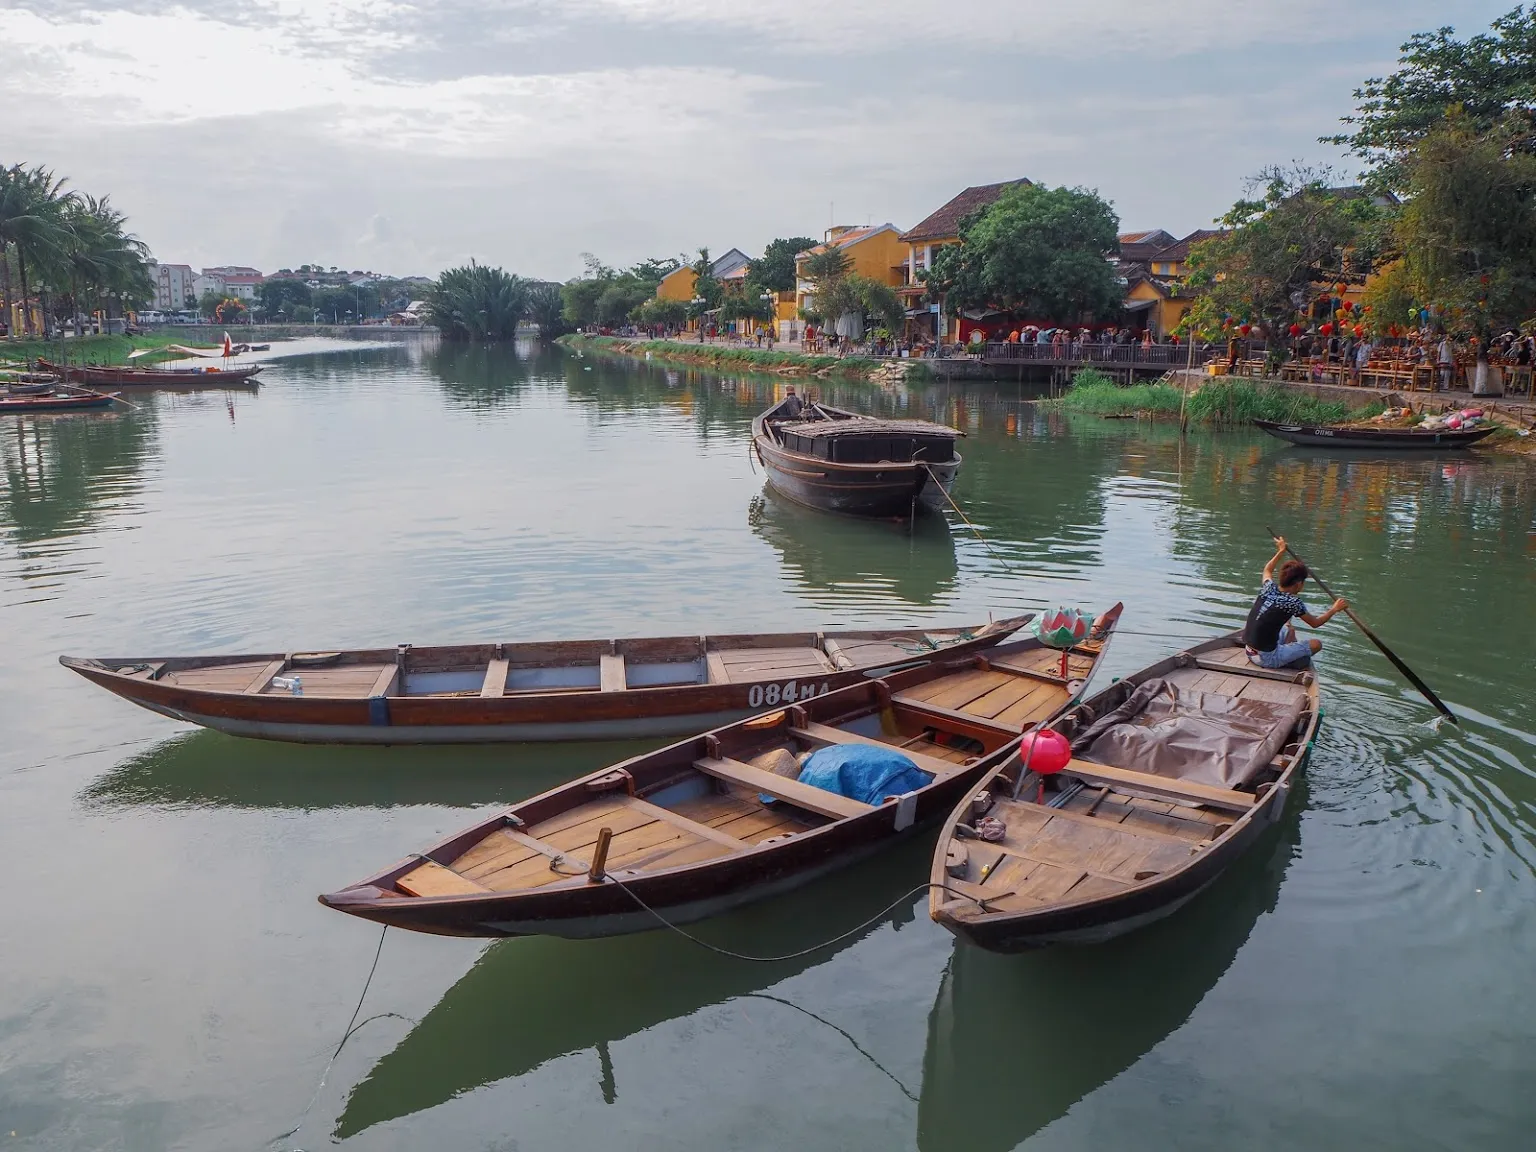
(201, 376)
(1405, 439)
(840, 461)
(736, 815)
(560, 690)
(1174, 773)
(54, 399)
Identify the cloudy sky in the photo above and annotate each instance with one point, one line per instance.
(405, 135)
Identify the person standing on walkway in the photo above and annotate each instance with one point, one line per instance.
(1447, 360)
(1362, 358)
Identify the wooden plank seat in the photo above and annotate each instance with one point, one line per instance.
(264, 678)
(965, 723)
(385, 680)
(612, 676)
(823, 735)
(432, 879)
(806, 796)
(495, 679)
(1162, 786)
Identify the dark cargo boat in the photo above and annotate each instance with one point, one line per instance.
(842, 462)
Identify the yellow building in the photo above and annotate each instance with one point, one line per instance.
(677, 285)
(876, 252)
(934, 232)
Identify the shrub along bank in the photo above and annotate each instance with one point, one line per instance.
(725, 357)
(1221, 402)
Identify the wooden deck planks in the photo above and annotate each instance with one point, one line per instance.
(495, 682)
(963, 687)
(264, 678)
(434, 880)
(612, 676)
(791, 791)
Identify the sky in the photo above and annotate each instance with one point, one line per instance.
(405, 136)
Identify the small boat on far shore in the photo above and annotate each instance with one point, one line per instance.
(55, 399)
(209, 376)
(1334, 436)
(840, 461)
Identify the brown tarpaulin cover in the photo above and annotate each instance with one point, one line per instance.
(1224, 741)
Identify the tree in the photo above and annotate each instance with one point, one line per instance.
(672, 313)
(230, 310)
(546, 309)
(208, 304)
(1281, 248)
(31, 226)
(706, 289)
(476, 302)
(775, 270)
(283, 296)
(831, 263)
(1489, 79)
(1468, 228)
(1036, 253)
(607, 296)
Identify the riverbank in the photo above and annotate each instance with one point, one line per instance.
(722, 357)
(1226, 401)
(104, 349)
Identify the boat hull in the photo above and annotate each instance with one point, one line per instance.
(24, 405)
(387, 717)
(1316, 436)
(149, 377)
(891, 493)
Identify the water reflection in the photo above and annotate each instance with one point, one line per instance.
(857, 561)
(527, 1002)
(481, 376)
(1015, 1041)
(211, 770)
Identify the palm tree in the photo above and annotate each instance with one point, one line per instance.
(546, 308)
(100, 255)
(31, 211)
(475, 302)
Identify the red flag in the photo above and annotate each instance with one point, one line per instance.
(229, 347)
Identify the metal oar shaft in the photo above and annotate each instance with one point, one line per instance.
(1397, 662)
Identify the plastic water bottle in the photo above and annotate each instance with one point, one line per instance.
(289, 683)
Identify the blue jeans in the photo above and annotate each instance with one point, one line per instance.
(1284, 655)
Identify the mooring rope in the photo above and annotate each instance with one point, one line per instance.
(353, 1026)
(718, 950)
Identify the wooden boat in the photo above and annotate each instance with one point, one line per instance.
(569, 690)
(55, 400)
(1175, 772)
(842, 462)
(18, 388)
(1323, 436)
(720, 820)
(201, 376)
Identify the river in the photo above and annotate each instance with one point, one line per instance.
(171, 983)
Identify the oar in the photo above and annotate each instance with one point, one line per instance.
(108, 395)
(1397, 662)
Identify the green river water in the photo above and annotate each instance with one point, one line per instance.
(1362, 980)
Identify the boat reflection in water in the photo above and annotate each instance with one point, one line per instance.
(1015, 1041)
(529, 1001)
(207, 769)
(859, 562)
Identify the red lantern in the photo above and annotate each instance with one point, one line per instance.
(1359, 331)
(1347, 305)
(1245, 328)
(1366, 308)
(1045, 753)
(1327, 329)
(1295, 330)
(1341, 288)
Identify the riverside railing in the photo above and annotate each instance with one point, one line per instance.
(1087, 352)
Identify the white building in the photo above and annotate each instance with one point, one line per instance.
(209, 281)
(173, 286)
(236, 280)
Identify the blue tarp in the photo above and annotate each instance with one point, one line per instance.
(863, 772)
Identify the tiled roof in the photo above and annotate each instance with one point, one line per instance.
(849, 238)
(1180, 251)
(946, 221)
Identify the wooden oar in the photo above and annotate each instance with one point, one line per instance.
(1397, 662)
(109, 395)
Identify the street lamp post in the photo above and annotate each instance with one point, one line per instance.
(767, 299)
(698, 302)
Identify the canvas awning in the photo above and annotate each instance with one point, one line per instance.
(1137, 305)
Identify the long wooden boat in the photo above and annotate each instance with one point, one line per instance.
(721, 820)
(56, 400)
(840, 461)
(202, 376)
(1325, 436)
(569, 690)
(1175, 773)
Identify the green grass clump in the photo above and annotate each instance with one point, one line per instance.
(1221, 402)
(89, 349)
(1096, 393)
(724, 356)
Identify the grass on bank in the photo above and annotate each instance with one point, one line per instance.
(1220, 402)
(724, 356)
(91, 349)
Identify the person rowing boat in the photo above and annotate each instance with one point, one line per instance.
(1269, 636)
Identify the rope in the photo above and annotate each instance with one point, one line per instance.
(985, 543)
(719, 951)
(352, 1027)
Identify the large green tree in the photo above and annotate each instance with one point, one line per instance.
(476, 302)
(280, 297)
(31, 228)
(1468, 228)
(1036, 253)
(605, 295)
(775, 269)
(1281, 247)
(546, 308)
(1490, 79)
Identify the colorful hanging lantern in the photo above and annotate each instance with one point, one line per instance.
(1245, 328)
(1062, 627)
(1295, 330)
(1359, 331)
(1347, 305)
(1327, 329)
(1341, 287)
